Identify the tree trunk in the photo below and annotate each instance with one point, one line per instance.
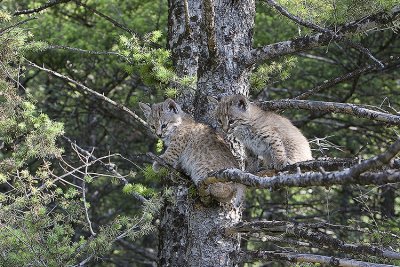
(190, 233)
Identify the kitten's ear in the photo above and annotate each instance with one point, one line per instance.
(145, 108)
(172, 106)
(242, 102)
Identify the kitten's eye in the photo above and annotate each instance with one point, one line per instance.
(163, 126)
(231, 122)
(153, 128)
(219, 121)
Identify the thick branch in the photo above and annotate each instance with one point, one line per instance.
(251, 256)
(322, 38)
(328, 164)
(320, 29)
(333, 107)
(50, 3)
(347, 176)
(87, 90)
(316, 237)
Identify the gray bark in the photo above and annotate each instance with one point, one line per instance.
(191, 234)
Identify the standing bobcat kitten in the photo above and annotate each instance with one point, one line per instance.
(265, 134)
(192, 147)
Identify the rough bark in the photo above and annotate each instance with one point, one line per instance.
(190, 233)
(222, 66)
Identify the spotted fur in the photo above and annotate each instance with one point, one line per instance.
(266, 134)
(192, 147)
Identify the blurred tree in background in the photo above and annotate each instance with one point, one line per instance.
(76, 184)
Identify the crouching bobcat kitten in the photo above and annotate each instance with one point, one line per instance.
(192, 147)
(265, 134)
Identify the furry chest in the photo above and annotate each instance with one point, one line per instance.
(251, 140)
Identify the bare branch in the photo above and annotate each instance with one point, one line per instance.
(84, 196)
(296, 19)
(113, 21)
(328, 164)
(317, 238)
(108, 167)
(347, 76)
(364, 50)
(87, 90)
(322, 38)
(353, 175)
(345, 108)
(50, 3)
(251, 256)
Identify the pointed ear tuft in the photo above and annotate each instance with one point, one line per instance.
(242, 102)
(145, 108)
(172, 106)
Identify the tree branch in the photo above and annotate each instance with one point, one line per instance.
(113, 21)
(2, 31)
(353, 175)
(347, 76)
(210, 28)
(294, 18)
(345, 108)
(251, 256)
(91, 52)
(50, 3)
(320, 29)
(322, 38)
(87, 90)
(318, 238)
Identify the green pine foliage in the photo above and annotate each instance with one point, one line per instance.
(43, 222)
(153, 64)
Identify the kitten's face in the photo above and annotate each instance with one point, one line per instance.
(163, 118)
(230, 111)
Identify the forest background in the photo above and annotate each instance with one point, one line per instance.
(74, 164)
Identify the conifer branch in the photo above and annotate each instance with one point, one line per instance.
(91, 52)
(320, 29)
(334, 107)
(2, 31)
(323, 37)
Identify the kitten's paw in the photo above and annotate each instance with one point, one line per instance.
(222, 192)
(156, 166)
(279, 164)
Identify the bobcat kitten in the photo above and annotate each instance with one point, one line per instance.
(192, 147)
(265, 134)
